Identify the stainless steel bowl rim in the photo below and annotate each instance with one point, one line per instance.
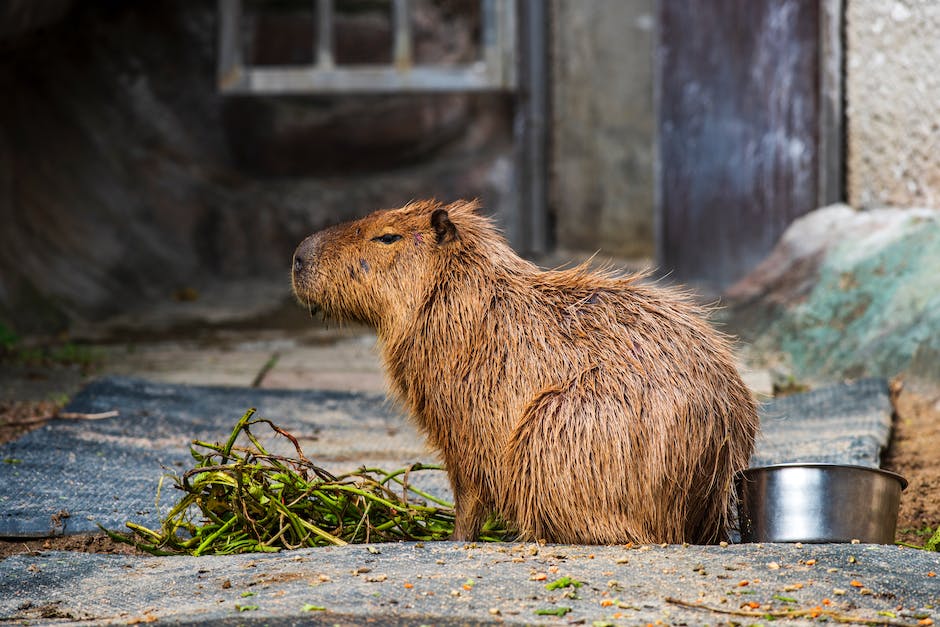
(824, 465)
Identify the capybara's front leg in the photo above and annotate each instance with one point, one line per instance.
(470, 515)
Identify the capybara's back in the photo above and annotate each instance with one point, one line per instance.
(580, 406)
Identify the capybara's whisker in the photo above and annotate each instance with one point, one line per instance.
(579, 405)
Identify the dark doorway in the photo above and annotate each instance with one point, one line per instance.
(738, 87)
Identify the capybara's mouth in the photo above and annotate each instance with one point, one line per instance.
(302, 293)
(304, 299)
(308, 303)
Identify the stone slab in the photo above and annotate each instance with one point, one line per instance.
(191, 365)
(446, 583)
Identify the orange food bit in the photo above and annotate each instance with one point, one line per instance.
(409, 585)
(826, 602)
(606, 603)
(810, 562)
(925, 621)
(539, 577)
(931, 574)
(815, 612)
(855, 583)
(753, 605)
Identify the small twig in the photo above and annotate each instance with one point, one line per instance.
(293, 440)
(72, 415)
(64, 415)
(794, 613)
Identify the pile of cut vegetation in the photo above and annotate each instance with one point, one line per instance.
(242, 498)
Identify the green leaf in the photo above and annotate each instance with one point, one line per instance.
(933, 544)
(553, 611)
(564, 582)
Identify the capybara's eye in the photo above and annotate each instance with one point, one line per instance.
(388, 238)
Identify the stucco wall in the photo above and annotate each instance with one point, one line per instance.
(601, 188)
(893, 102)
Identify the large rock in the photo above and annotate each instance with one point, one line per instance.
(846, 294)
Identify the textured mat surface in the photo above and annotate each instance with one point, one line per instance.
(107, 471)
(843, 424)
(70, 475)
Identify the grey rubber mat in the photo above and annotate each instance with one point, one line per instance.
(843, 424)
(69, 476)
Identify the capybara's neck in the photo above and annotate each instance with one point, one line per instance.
(447, 360)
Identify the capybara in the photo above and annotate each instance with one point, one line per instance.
(580, 406)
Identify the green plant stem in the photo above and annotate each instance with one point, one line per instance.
(239, 427)
(208, 541)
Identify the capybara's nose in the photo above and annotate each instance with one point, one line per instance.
(304, 255)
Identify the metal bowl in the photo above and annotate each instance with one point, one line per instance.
(819, 503)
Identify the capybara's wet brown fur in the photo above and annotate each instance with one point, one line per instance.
(580, 406)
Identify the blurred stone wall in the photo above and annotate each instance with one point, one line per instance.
(126, 179)
(893, 103)
(18, 17)
(602, 130)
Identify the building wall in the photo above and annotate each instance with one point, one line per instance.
(601, 173)
(127, 179)
(893, 103)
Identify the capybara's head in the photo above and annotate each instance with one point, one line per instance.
(374, 269)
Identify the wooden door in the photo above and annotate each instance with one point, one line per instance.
(739, 111)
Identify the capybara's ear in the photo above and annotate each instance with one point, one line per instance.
(445, 229)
